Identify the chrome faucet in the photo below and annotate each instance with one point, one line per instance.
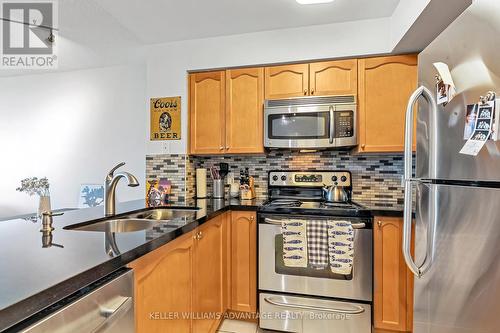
(110, 187)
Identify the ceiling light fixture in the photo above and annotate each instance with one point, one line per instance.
(312, 2)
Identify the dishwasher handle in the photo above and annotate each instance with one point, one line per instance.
(114, 314)
(108, 312)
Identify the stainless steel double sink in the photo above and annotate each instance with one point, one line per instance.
(135, 221)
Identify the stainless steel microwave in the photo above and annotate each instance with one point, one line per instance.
(310, 122)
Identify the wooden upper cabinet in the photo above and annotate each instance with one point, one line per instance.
(384, 87)
(243, 261)
(207, 112)
(333, 77)
(393, 281)
(160, 290)
(244, 110)
(286, 81)
(210, 281)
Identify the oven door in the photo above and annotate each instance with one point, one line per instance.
(299, 127)
(275, 276)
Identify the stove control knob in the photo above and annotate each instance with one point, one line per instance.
(343, 178)
(283, 178)
(275, 178)
(334, 178)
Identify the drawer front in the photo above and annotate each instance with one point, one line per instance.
(311, 315)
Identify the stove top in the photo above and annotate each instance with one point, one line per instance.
(300, 193)
(313, 207)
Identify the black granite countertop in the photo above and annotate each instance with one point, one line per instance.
(383, 208)
(33, 277)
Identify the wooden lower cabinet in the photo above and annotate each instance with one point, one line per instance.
(393, 281)
(210, 280)
(243, 261)
(163, 284)
(183, 285)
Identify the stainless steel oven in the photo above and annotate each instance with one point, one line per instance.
(308, 300)
(275, 276)
(310, 122)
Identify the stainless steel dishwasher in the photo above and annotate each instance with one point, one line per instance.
(107, 308)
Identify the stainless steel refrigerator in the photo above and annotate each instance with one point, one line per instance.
(456, 197)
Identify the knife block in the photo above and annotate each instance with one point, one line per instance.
(247, 192)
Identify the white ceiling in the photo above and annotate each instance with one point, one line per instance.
(160, 21)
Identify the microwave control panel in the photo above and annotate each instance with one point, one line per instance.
(344, 124)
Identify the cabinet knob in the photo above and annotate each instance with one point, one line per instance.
(227, 147)
(305, 91)
(251, 218)
(312, 91)
(363, 145)
(379, 223)
(221, 148)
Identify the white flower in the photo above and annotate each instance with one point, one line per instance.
(33, 186)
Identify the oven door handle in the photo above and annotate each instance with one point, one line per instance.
(355, 311)
(279, 222)
(273, 221)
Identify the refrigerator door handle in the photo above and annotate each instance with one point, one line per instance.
(408, 177)
(408, 148)
(431, 229)
(407, 224)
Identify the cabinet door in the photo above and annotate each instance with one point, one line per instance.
(244, 110)
(392, 278)
(334, 77)
(287, 81)
(210, 264)
(243, 261)
(207, 111)
(161, 290)
(385, 84)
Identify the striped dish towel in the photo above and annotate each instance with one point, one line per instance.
(294, 243)
(317, 243)
(340, 246)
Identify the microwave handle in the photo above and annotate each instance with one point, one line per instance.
(332, 124)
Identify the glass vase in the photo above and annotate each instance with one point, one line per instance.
(44, 204)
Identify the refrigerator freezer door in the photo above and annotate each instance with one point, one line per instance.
(470, 46)
(458, 292)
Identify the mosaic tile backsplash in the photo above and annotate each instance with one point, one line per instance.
(376, 178)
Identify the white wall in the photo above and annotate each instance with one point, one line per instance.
(405, 14)
(167, 64)
(71, 127)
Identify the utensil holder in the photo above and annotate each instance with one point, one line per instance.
(201, 183)
(218, 188)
